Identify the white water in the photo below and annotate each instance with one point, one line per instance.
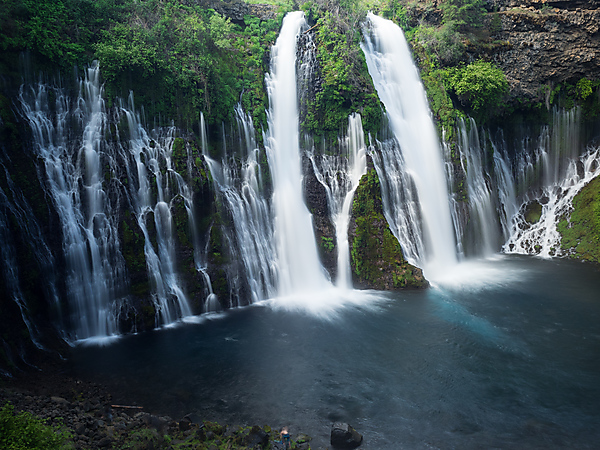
(89, 178)
(95, 267)
(542, 238)
(340, 175)
(418, 156)
(240, 185)
(154, 205)
(299, 267)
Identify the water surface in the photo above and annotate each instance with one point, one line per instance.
(504, 355)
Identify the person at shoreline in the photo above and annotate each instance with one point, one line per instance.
(285, 438)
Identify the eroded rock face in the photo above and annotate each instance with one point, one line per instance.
(237, 9)
(549, 45)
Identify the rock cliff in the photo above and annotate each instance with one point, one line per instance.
(546, 43)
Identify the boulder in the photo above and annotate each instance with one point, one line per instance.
(344, 436)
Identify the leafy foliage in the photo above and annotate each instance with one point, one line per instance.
(463, 13)
(63, 31)
(346, 86)
(479, 85)
(24, 431)
(181, 58)
(443, 43)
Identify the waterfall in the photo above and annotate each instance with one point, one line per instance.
(159, 186)
(95, 267)
(542, 237)
(299, 267)
(482, 238)
(340, 175)
(10, 266)
(90, 178)
(412, 166)
(241, 188)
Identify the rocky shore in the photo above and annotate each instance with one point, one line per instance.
(95, 420)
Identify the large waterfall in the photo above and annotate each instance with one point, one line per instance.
(126, 202)
(412, 167)
(300, 269)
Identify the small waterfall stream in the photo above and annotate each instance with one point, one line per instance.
(240, 185)
(340, 175)
(158, 188)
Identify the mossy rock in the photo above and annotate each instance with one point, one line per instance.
(580, 233)
(533, 212)
(377, 261)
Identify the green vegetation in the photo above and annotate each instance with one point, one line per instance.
(346, 86)
(583, 93)
(327, 244)
(24, 431)
(463, 13)
(480, 85)
(580, 233)
(376, 256)
(533, 212)
(178, 58)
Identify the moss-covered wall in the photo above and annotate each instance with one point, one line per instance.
(580, 233)
(375, 254)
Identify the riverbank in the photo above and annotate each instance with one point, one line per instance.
(95, 419)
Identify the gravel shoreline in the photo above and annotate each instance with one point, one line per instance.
(96, 421)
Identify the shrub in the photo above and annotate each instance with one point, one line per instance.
(478, 85)
(24, 431)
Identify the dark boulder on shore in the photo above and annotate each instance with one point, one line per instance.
(344, 436)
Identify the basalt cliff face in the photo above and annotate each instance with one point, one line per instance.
(546, 43)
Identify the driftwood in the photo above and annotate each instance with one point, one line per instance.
(126, 407)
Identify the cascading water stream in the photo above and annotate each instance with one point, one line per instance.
(300, 270)
(542, 237)
(418, 157)
(243, 192)
(154, 204)
(84, 178)
(95, 266)
(483, 222)
(340, 176)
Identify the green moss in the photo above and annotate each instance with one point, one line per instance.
(133, 243)
(179, 156)
(376, 255)
(346, 86)
(533, 212)
(580, 233)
